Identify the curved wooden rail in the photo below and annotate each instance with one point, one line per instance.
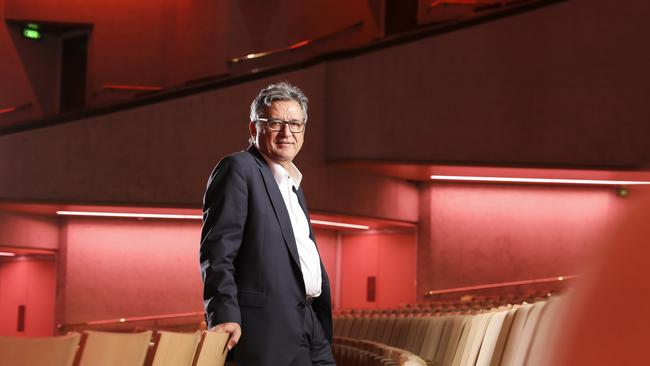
(295, 46)
(7, 110)
(500, 285)
(130, 320)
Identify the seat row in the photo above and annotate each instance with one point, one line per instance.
(109, 348)
(449, 306)
(515, 335)
(348, 351)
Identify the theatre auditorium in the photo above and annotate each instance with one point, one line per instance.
(477, 175)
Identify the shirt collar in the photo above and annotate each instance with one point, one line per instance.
(280, 173)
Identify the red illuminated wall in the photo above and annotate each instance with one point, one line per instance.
(390, 258)
(477, 234)
(28, 231)
(31, 283)
(124, 267)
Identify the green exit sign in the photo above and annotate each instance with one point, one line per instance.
(30, 31)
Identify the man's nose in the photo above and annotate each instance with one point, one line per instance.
(285, 131)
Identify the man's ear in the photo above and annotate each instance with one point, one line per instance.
(252, 128)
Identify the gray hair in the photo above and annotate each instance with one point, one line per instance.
(277, 92)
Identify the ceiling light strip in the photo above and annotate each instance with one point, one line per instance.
(189, 217)
(537, 180)
(128, 214)
(340, 224)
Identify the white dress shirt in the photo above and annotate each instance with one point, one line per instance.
(309, 258)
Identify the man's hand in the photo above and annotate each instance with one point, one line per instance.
(231, 328)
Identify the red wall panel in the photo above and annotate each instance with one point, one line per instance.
(477, 233)
(122, 268)
(359, 261)
(397, 269)
(31, 283)
(28, 231)
(390, 258)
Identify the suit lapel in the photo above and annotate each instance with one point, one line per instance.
(279, 207)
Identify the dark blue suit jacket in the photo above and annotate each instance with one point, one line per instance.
(250, 264)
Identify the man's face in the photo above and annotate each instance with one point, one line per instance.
(281, 146)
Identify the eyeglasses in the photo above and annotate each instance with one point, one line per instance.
(278, 124)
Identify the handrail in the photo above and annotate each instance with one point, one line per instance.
(500, 285)
(131, 319)
(295, 46)
(15, 108)
(132, 87)
(435, 3)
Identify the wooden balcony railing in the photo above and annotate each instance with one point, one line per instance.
(133, 321)
(295, 46)
(7, 110)
(500, 285)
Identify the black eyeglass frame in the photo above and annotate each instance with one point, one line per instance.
(292, 124)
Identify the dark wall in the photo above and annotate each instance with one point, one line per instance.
(565, 85)
(162, 154)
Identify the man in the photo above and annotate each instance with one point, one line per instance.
(263, 280)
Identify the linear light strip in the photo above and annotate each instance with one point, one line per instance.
(7, 254)
(340, 224)
(189, 217)
(128, 214)
(537, 180)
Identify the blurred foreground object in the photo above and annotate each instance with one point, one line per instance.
(605, 321)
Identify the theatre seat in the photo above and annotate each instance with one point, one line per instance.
(110, 349)
(475, 338)
(528, 333)
(51, 351)
(550, 323)
(512, 344)
(175, 349)
(432, 337)
(492, 332)
(452, 339)
(212, 349)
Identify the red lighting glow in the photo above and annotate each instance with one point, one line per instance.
(300, 44)
(7, 254)
(538, 180)
(7, 110)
